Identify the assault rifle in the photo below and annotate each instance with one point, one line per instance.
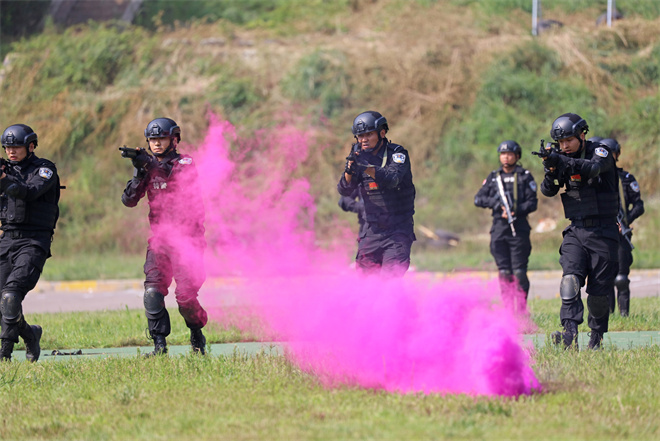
(505, 202)
(626, 231)
(547, 149)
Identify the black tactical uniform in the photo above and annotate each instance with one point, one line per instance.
(589, 251)
(354, 204)
(176, 246)
(389, 200)
(29, 198)
(511, 252)
(630, 209)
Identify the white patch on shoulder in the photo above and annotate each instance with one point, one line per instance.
(532, 185)
(45, 173)
(185, 161)
(635, 186)
(399, 158)
(602, 152)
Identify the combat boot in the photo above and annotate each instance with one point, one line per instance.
(595, 340)
(569, 337)
(32, 337)
(6, 349)
(160, 345)
(198, 341)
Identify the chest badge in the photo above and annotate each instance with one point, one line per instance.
(576, 178)
(373, 186)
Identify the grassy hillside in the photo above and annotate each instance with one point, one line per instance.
(453, 77)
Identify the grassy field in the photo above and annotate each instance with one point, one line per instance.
(609, 394)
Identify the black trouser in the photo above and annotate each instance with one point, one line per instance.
(22, 258)
(186, 265)
(384, 251)
(591, 254)
(625, 261)
(510, 253)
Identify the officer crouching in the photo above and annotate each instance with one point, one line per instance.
(589, 250)
(380, 171)
(30, 192)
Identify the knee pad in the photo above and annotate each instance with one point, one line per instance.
(569, 288)
(505, 275)
(154, 303)
(622, 282)
(599, 306)
(10, 307)
(521, 276)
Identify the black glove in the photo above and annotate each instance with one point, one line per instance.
(352, 168)
(142, 160)
(552, 160)
(361, 164)
(552, 174)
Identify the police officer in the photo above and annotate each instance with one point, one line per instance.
(30, 192)
(380, 171)
(630, 209)
(589, 250)
(509, 241)
(176, 246)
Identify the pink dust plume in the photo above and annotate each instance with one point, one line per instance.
(416, 334)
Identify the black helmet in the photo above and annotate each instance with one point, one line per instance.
(163, 128)
(596, 139)
(611, 144)
(510, 146)
(568, 125)
(18, 135)
(368, 122)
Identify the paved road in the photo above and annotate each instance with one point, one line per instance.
(119, 294)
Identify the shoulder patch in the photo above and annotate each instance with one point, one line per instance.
(602, 152)
(185, 161)
(526, 172)
(45, 173)
(399, 158)
(532, 185)
(634, 186)
(484, 183)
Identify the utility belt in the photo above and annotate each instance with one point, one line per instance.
(22, 234)
(593, 222)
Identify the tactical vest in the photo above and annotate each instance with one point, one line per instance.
(388, 206)
(39, 214)
(585, 199)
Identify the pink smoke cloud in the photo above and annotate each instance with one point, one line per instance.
(414, 334)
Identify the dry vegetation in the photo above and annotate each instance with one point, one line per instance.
(431, 69)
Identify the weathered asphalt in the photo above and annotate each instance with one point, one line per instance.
(95, 295)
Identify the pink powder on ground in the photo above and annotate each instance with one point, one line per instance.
(416, 334)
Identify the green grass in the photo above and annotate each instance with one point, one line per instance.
(644, 315)
(103, 329)
(76, 330)
(609, 394)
